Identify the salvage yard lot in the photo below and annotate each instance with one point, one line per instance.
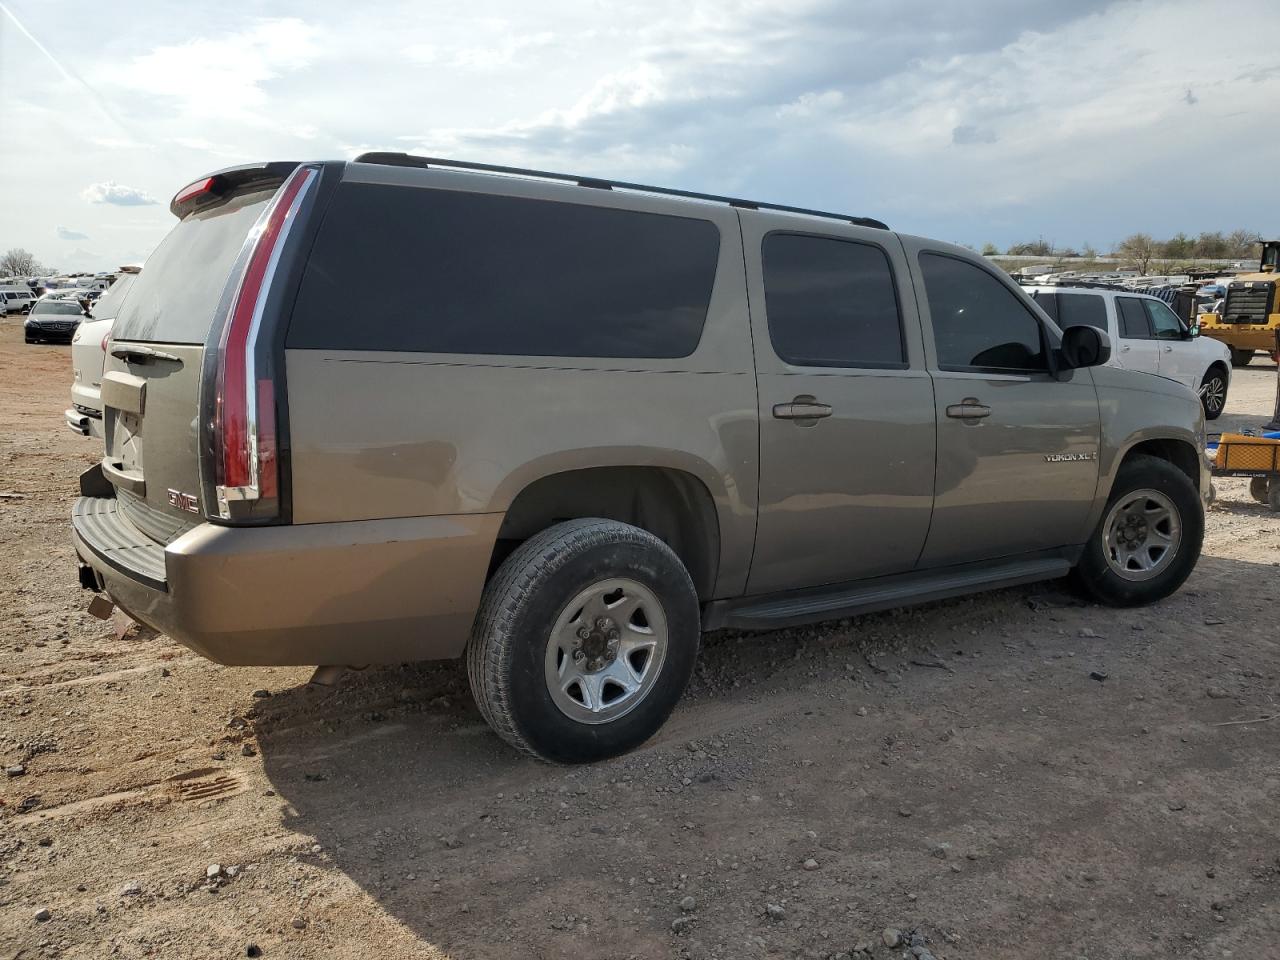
(1013, 775)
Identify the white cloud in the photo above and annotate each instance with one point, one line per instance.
(66, 234)
(999, 120)
(117, 194)
(225, 76)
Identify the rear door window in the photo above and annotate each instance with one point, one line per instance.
(175, 298)
(831, 302)
(978, 323)
(503, 275)
(1134, 322)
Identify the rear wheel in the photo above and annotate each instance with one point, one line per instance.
(584, 642)
(1258, 489)
(1149, 538)
(1240, 358)
(1213, 393)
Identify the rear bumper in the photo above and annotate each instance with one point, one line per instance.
(373, 591)
(85, 424)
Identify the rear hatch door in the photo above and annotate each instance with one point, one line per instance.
(151, 378)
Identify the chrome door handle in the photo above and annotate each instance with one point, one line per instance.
(968, 409)
(1168, 349)
(1124, 348)
(803, 407)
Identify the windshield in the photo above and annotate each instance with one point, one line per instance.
(108, 305)
(58, 308)
(176, 296)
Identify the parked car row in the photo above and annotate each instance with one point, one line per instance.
(88, 350)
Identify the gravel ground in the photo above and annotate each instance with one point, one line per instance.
(1012, 775)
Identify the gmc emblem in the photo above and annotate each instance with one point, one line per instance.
(183, 501)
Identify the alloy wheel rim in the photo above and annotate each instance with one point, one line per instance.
(606, 650)
(1143, 533)
(1215, 394)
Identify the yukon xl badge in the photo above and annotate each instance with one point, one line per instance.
(1068, 457)
(183, 501)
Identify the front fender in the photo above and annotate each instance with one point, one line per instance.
(1137, 408)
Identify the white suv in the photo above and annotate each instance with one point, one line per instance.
(1146, 335)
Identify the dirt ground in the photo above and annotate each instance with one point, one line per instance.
(958, 772)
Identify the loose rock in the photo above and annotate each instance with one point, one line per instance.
(891, 938)
(17, 770)
(811, 864)
(43, 914)
(688, 904)
(775, 912)
(131, 889)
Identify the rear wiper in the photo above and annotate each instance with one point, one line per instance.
(138, 352)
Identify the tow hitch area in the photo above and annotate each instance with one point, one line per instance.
(89, 579)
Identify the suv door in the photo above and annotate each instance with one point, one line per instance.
(1017, 447)
(1138, 347)
(1176, 354)
(846, 408)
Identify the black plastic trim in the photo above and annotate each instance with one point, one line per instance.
(391, 159)
(813, 604)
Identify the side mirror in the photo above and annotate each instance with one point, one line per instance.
(1193, 330)
(1084, 346)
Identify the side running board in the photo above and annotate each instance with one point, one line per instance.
(774, 611)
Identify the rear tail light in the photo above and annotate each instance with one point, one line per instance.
(245, 455)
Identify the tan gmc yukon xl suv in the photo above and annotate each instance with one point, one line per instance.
(399, 409)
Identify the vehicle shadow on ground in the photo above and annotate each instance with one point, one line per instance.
(484, 853)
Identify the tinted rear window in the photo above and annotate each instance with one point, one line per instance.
(486, 274)
(175, 298)
(831, 302)
(1134, 324)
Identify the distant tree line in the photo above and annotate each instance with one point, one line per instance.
(1142, 249)
(20, 263)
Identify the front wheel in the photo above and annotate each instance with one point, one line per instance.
(584, 642)
(1213, 393)
(1149, 538)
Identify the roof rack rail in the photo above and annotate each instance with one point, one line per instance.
(408, 160)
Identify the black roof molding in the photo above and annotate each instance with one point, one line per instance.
(595, 183)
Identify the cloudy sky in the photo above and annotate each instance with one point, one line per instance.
(992, 120)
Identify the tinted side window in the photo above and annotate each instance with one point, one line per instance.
(1082, 310)
(831, 303)
(1134, 324)
(503, 275)
(978, 323)
(1048, 302)
(1164, 322)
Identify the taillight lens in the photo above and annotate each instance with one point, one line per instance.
(245, 455)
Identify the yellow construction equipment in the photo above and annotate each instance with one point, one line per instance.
(1250, 317)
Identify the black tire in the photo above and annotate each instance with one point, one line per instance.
(1273, 496)
(1258, 489)
(1240, 358)
(520, 606)
(1213, 392)
(1094, 573)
